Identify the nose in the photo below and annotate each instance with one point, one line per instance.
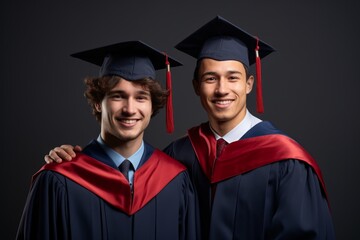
(129, 107)
(221, 87)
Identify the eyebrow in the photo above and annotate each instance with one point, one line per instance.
(214, 73)
(208, 73)
(236, 72)
(141, 92)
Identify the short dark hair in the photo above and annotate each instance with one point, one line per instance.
(98, 87)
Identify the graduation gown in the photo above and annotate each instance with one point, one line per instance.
(88, 198)
(273, 191)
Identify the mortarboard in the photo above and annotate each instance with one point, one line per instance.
(221, 40)
(133, 60)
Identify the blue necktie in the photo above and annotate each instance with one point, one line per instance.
(124, 168)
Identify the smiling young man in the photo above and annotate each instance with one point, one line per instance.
(223, 87)
(251, 180)
(151, 197)
(125, 113)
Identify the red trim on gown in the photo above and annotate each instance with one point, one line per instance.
(245, 154)
(109, 184)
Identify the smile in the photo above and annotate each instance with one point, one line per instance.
(125, 122)
(223, 102)
(128, 121)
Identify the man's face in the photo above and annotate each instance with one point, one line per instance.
(125, 112)
(222, 88)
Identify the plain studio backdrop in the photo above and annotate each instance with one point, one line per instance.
(310, 85)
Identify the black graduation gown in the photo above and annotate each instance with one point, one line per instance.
(280, 200)
(59, 208)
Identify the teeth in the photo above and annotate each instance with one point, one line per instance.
(129, 121)
(223, 102)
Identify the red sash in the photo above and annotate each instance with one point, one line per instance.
(109, 184)
(246, 154)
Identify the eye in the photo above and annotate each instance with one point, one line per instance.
(142, 98)
(115, 96)
(234, 78)
(209, 79)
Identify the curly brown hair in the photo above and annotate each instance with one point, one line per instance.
(98, 87)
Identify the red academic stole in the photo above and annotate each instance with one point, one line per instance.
(246, 154)
(109, 184)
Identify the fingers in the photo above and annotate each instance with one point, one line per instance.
(77, 148)
(57, 155)
(68, 151)
(52, 157)
(48, 159)
(64, 152)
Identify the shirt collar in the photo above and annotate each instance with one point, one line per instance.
(237, 132)
(118, 158)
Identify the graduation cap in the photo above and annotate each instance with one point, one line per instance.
(133, 60)
(221, 40)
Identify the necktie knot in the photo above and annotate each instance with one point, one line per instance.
(124, 168)
(220, 144)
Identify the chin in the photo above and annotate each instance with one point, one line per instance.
(127, 136)
(221, 118)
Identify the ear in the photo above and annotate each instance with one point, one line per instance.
(196, 86)
(98, 107)
(249, 84)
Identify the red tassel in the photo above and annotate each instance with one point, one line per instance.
(259, 98)
(169, 107)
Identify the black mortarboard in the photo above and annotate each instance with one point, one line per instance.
(133, 60)
(221, 40)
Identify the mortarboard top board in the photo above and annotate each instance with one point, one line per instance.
(221, 40)
(133, 60)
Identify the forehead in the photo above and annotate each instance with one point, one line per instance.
(215, 66)
(124, 85)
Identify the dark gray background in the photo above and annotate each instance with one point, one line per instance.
(310, 89)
